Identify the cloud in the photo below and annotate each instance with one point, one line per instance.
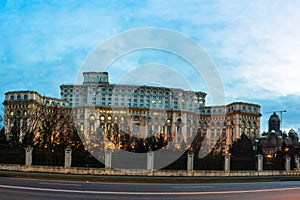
(255, 45)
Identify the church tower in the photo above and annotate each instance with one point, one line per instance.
(274, 123)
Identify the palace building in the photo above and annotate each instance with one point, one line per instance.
(98, 107)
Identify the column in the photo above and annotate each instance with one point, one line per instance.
(287, 163)
(259, 163)
(297, 161)
(68, 157)
(108, 156)
(190, 161)
(227, 162)
(28, 156)
(150, 160)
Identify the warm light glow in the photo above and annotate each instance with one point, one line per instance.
(269, 156)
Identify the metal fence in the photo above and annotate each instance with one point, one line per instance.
(85, 159)
(209, 163)
(41, 157)
(274, 163)
(242, 163)
(12, 155)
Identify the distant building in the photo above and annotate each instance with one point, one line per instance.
(97, 106)
(275, 141)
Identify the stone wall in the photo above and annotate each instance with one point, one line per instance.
(97, 171)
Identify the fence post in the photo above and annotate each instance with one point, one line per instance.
(227, 162)
(297, 163)
(259, 162)
(150, 160)
(190, 161)
(28, 156)
(108, 156)
(287, 163)
(68, 157)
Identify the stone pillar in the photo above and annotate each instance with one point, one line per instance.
(190, 161)
(28, 156)
(107, 157)
(297, 162)
(150, 160)
(227, 162)
(68, 157)
(287, 163)
(259, 163)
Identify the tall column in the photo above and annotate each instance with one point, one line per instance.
(297, 161)
(28, 156)
(108, 156)
(68, 157)
(259, 161)
(150, 160)
(227, 162)
(190, 161)
(287, 163)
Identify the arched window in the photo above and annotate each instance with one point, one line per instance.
(162, 120)
(199, 124)
(18, 98)
(169, 121)
(155, 120)
(188, 131)
(109, 118)
(92, 117)
(81, 117)
(243, 108)
(18, 113)
(178, 126)
(25, 97)
(102, 117)
(136, 128)
(61, 118)
(116, 128)
(188, 122)
(149, 119)
(136, 118)
(25, 113)
(12, 98)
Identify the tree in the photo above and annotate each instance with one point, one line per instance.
(242, 147)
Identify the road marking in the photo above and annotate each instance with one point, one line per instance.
(192, 186)
(60, 184)
(148, 193)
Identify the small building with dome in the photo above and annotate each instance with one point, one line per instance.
(276, 141)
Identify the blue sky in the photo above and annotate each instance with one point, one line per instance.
(255, 45)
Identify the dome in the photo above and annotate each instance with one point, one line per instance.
(292, 131)
(274, 117)
(274, 123)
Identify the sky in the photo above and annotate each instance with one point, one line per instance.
(255, 46)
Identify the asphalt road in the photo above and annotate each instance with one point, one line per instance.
(21, 188)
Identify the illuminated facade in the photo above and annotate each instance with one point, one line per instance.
(97, 106)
